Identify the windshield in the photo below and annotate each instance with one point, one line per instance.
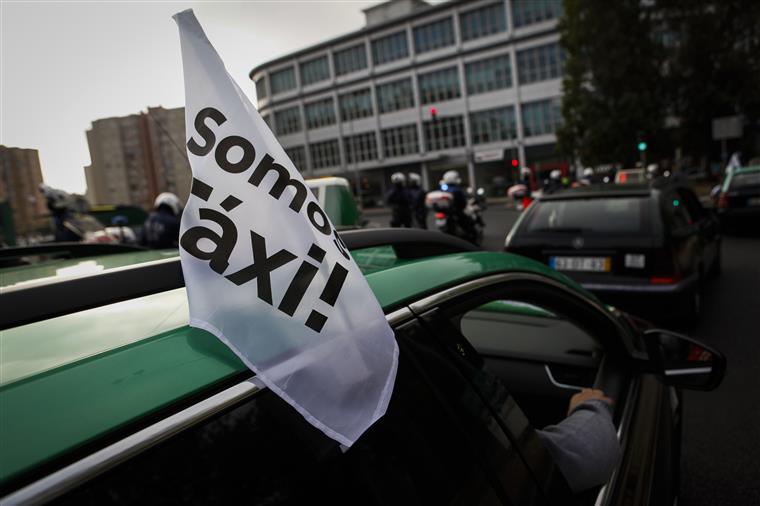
(609, 216)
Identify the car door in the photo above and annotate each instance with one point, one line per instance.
(608, 360)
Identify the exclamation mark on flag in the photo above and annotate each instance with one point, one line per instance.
(317, 320)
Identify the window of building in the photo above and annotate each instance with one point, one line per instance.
(541, 117)
(540, 63)
(439, 85)
(320, 113)
(444, 133)
(261, 88)
(360, 147)
(395, 95)
(526, 12)
(489, 74)
(433, 35)
(486, 20)
(325, 154)
(282, 80)
(350, 59)
(297, 155)
(315, 70)
(493, 125)
(390, 48)
(287, 121)
(355, 105)
(400, 141)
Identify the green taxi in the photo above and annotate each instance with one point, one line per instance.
(107, 396)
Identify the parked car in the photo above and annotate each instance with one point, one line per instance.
(738, 201)
(646, 248)
(109, 397)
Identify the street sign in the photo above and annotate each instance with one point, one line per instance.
(489, 156)
(728, 127)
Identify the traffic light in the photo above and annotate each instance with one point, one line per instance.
(515, 162)
(433, 113)
(642, 146)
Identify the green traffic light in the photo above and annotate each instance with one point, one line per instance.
(642, 146)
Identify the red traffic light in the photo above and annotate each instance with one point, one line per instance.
(515, 162)
(433, 112)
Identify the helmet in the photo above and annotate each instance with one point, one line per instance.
(556, 174)
(652, 168)
(398, 178)
(588, 172)
(169, 200)
(415, 179)
(451, 177)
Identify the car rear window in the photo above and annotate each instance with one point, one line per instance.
(607, 215)
(745, 180)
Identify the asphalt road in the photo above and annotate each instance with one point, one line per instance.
(720, 462)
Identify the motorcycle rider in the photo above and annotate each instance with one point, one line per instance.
(399, 200)
(417, 200)
(161, 229)
(451, 183)
(588, 174)
(554, 183)
(60, 205)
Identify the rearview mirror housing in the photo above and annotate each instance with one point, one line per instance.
(684, 362)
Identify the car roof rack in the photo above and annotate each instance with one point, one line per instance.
(35, 302)
(12, 256)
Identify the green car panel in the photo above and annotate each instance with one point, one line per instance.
(100, 370)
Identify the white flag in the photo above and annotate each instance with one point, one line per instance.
(265, 270)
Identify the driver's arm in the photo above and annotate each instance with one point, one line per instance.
(584, 445)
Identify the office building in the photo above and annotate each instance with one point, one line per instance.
(136, 157)
(467, 85)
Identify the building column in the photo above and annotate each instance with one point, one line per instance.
(425, 176)
(471, 170)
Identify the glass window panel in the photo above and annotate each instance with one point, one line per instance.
(390, 48)
(320, 113)
(287, 121)
(439, 85)
(313, 71)
(433, 35)
(395, 95)
(282, 80)
(484, 21)
(350, 59)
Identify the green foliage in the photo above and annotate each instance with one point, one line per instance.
(613, 93)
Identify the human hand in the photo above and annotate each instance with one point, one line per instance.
(588, 394)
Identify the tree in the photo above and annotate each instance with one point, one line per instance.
(715, 67)
(613, 92)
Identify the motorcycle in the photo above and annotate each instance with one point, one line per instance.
(447, 221)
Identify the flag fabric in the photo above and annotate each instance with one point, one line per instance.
(265, 270)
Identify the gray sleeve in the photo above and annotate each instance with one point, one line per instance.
(584, 445)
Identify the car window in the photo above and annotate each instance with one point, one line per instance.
(263, 452)
(745, 180)
(597, 216)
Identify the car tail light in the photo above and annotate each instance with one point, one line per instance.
(623, 177)
(439, 216)
(722, 201)
(664, 280)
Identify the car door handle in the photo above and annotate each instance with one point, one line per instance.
(558, 384)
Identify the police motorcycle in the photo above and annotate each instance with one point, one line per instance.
(71, 219)
(468, 223)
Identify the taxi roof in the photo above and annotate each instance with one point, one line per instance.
(68, 381)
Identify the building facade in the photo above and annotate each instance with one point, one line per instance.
(467, 85)
(136, 157)
(20, 180)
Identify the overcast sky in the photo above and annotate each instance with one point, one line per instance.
(65, 64)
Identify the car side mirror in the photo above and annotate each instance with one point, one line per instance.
(684, 362)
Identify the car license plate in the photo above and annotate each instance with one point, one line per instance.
(586, 264)
(440, 222)
(754, 201)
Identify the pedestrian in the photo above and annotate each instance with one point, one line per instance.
(161, 229)
(399, 201)
(417, 200)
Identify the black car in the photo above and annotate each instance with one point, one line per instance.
(646, 248)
